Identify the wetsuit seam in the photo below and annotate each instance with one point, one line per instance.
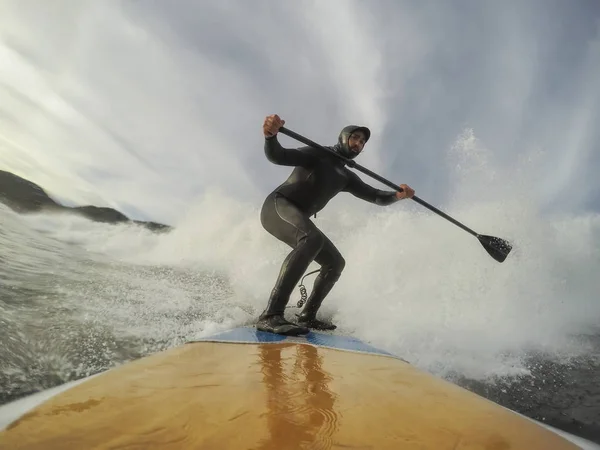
(285, 220)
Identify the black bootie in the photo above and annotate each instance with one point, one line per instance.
(273, 321)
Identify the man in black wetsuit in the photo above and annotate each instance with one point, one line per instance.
(317, 177)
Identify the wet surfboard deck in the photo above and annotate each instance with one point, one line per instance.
(246, 389)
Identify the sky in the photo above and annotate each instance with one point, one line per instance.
(146, 106)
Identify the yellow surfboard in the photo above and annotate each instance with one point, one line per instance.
(244, 389)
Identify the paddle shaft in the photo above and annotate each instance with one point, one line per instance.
(354, 165)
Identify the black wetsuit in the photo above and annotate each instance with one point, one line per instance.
(317, 177)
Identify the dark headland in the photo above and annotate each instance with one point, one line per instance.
(23, 196)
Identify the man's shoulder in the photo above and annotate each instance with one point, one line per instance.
(352, 175)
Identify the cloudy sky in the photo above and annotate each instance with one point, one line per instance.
(144, 105)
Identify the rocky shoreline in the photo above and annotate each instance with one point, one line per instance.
(23, 196)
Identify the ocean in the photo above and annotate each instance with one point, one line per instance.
(78, 297)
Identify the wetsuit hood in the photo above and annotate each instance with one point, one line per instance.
(342, 145)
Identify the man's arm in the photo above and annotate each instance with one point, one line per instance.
(287, 156)
(362, 190)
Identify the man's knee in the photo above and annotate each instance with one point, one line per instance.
(313, 242)
(338, 268)
(334, 269)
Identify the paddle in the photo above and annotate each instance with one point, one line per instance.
(496, 247)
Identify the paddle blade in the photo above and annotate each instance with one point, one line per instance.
(496, 247)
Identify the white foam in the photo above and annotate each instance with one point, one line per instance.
(414, 283)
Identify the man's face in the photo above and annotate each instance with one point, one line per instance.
(356, 141)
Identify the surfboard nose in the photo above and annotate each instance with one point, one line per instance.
(245, 389)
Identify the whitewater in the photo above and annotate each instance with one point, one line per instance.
(78, 297)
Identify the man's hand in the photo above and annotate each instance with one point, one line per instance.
(406, 193)
(272, 125)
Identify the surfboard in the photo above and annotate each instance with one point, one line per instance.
(246, 389)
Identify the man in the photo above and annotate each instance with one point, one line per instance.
(317, 177)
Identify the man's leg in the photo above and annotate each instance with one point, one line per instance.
(332, 264)
(286, 222)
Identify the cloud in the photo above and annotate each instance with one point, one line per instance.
(146, 105)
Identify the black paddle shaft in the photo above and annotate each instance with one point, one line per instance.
(496, 247)
(355, 165)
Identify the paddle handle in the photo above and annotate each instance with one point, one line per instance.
(353, 164)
